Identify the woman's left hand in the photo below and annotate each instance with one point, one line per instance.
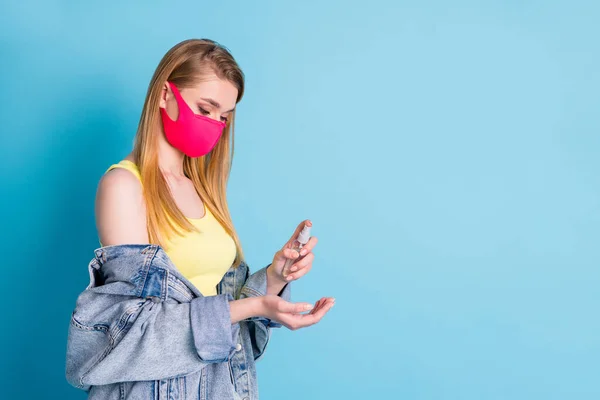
(302, 262)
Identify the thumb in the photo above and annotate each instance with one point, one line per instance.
(284, 254)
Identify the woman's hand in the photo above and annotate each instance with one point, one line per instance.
(290, 314)
(302, 262)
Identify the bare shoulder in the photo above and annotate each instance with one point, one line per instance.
(120, 209)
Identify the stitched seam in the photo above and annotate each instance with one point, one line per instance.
(102, 356)
(245, 359)
(179, 287)
(165, 287)
(124, 321)
(185, 294)
(95, 327)
(251, 291)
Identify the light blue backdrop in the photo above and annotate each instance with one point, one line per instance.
(447, 153)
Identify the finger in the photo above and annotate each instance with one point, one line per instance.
(289, 253)
(297, 231)
(303, 262)
(308, 247)
(299, 274)
(323, 309)
(285, 254)
(317, 305)
(294, 308)
(297, 321)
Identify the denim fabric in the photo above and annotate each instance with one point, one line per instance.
(141, 330)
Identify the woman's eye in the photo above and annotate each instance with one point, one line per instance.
(203, 111)
(224, 119)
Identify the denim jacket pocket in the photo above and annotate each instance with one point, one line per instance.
(86, 346)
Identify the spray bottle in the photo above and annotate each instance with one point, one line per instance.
(297, 245)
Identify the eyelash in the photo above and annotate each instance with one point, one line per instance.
(204, 112)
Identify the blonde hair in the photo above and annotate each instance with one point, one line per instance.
(185, 64)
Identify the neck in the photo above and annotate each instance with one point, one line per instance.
(170, 160)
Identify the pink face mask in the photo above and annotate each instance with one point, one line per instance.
(195, 135)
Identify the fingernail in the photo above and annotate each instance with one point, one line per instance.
(294, 269)
(308, 307)
(289, 277)
(303, 252)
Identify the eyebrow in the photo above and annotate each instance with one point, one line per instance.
(214, 103)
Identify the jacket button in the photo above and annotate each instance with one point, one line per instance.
(238, 347)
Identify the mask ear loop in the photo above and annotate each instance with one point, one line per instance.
(179, 100)
(181, 104)
(175, 92)
(164, 110)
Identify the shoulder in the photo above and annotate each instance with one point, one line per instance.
(119, 187)
(118, 179)
(120, 208)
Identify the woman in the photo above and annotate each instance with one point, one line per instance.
(167, 198)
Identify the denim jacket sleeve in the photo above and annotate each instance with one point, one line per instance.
(256, 285)
(115, 338)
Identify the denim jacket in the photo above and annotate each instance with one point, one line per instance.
(141, 330)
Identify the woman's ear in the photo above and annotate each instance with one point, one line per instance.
(164, 94)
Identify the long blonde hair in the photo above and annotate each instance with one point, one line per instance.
(185, 64)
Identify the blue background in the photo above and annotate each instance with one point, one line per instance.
(447, 153)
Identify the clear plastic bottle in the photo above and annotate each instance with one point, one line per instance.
(297, 245)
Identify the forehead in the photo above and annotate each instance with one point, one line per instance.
(212, 87)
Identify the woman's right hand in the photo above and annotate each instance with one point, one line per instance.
(291, 315)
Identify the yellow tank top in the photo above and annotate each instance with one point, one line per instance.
(202, 257)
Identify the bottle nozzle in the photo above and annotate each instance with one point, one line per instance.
(304, 235)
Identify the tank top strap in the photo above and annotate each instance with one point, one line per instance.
(129, 166)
